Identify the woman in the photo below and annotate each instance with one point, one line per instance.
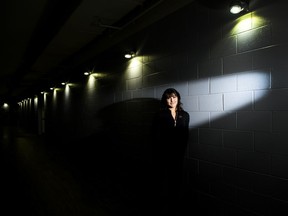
(171, 124)
(171, 130)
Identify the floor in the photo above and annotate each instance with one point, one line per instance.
(41, 181)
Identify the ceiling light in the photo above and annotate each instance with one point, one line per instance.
(238, 5)
(130, 54)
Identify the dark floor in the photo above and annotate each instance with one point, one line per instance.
(41, 181)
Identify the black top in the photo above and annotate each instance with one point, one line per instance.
(171, 136)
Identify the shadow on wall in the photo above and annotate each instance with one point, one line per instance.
(118, 160)
(126, 127)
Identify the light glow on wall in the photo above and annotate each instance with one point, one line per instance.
(5, 106)
(134, 71)
(244, 25)
(44, 99)
(247, 83)
(66, 91)
(99, 75)
(91, 82)
(54, 96)
(134, 62)
(35, 102)
(247, 22)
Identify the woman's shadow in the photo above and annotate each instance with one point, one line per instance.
(121, 162)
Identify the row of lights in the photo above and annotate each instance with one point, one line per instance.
(236, 7)
(128, 55)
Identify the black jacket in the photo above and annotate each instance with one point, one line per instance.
(171, 138)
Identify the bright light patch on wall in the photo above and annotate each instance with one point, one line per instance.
(246, 22)
(44, 99)
(134, 69)
(5, 106)
(66, 91)
(243, 23)
(91, 85)
(98, 75)
(135, 62)
(91, 82)
(54, 95)
(247, 84)
(35, 102)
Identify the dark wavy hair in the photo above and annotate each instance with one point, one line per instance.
(169, 92)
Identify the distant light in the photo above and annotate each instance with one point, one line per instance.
(235, 9)
(5, 106)
(86, 73)
(129, 55)
(238, 6)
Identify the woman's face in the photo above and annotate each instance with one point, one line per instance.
(172, 101)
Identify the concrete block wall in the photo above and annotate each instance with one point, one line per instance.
(234, 88)
(232, 74)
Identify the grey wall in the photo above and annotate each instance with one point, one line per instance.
(232, 75)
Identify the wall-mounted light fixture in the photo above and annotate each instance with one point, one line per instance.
(130, 54)
(238, 6)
